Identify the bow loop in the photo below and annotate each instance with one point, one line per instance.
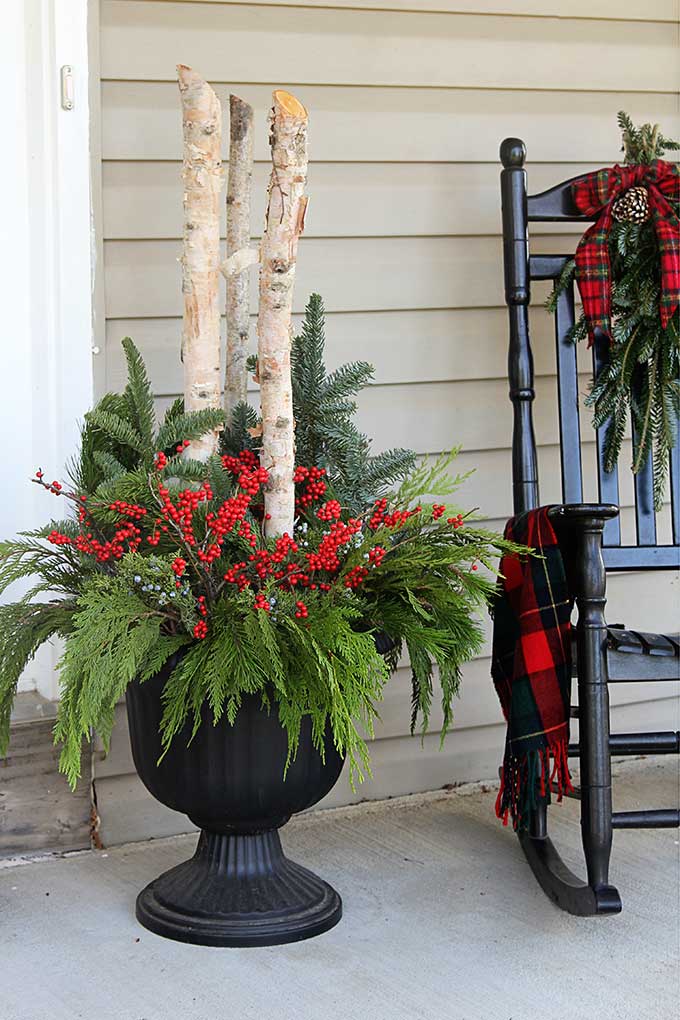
(594, 195)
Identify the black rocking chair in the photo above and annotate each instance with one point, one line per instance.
(590, 534)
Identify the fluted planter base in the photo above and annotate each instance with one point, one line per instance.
(239, 890)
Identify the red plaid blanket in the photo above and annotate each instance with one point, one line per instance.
(531, 668)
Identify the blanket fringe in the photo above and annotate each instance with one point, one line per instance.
(525, 780)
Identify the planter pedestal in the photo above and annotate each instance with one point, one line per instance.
(239, 890)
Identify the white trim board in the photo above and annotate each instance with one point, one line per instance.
(48, 278)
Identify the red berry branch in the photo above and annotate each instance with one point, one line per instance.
(288, 563)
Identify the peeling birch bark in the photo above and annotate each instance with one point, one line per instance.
(202, 178)
(238, 238)
(284, 223)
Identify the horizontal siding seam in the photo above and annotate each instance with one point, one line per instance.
(343, 311)
(412, 87)
(417, 11)
(138, 161)
(142, 160)
(415, 383)
(484, 236)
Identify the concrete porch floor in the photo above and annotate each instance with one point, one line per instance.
(443, 921)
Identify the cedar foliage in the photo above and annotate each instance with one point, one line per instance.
(117, 449)
(641, 374)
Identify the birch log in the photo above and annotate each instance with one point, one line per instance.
(238, 239)
(284, 223)
(202, 177)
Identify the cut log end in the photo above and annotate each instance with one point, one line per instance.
(187, 76)
(239, 106)
(198, 97)
(241, 127)
(288, 105)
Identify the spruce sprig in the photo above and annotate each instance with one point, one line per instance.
(326, 434)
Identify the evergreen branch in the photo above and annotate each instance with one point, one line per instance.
(138, 393)
(116, 428)
(188, 425)
(24, 628)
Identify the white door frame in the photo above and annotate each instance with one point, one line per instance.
(51, 274)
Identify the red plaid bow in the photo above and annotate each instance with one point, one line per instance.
(596, 193)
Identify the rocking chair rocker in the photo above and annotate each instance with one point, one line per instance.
(590, 535)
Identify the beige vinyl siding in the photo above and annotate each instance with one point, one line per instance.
(408, 102)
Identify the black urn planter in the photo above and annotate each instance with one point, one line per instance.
(239, 889)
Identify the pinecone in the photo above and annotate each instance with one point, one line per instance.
(632, 206)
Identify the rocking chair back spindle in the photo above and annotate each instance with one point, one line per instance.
(592, 540)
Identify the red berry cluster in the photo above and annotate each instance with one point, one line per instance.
(245, 531)
(245, 459)
(235, 576)
(261, 602)
(355, 577)
(311, 479)
(161, 460)
(56, 538)
(301, 610)
(231, 513)
(437, 511)
(381, 519)
(251, 476)
(326, 557)
(261, 563)
(182, 446)
(178, 566)
(102, 551)
(457, 521)
(283, 545)
(252, 481)
(200, 630)
(182, 514)
(54, 486)
(376, 555)
(379, 511)
(329, 511)
(131, 510)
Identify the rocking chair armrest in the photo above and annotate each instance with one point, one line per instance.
(579, 528)
(578, 514)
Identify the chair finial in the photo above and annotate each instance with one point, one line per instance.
(513, 152)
